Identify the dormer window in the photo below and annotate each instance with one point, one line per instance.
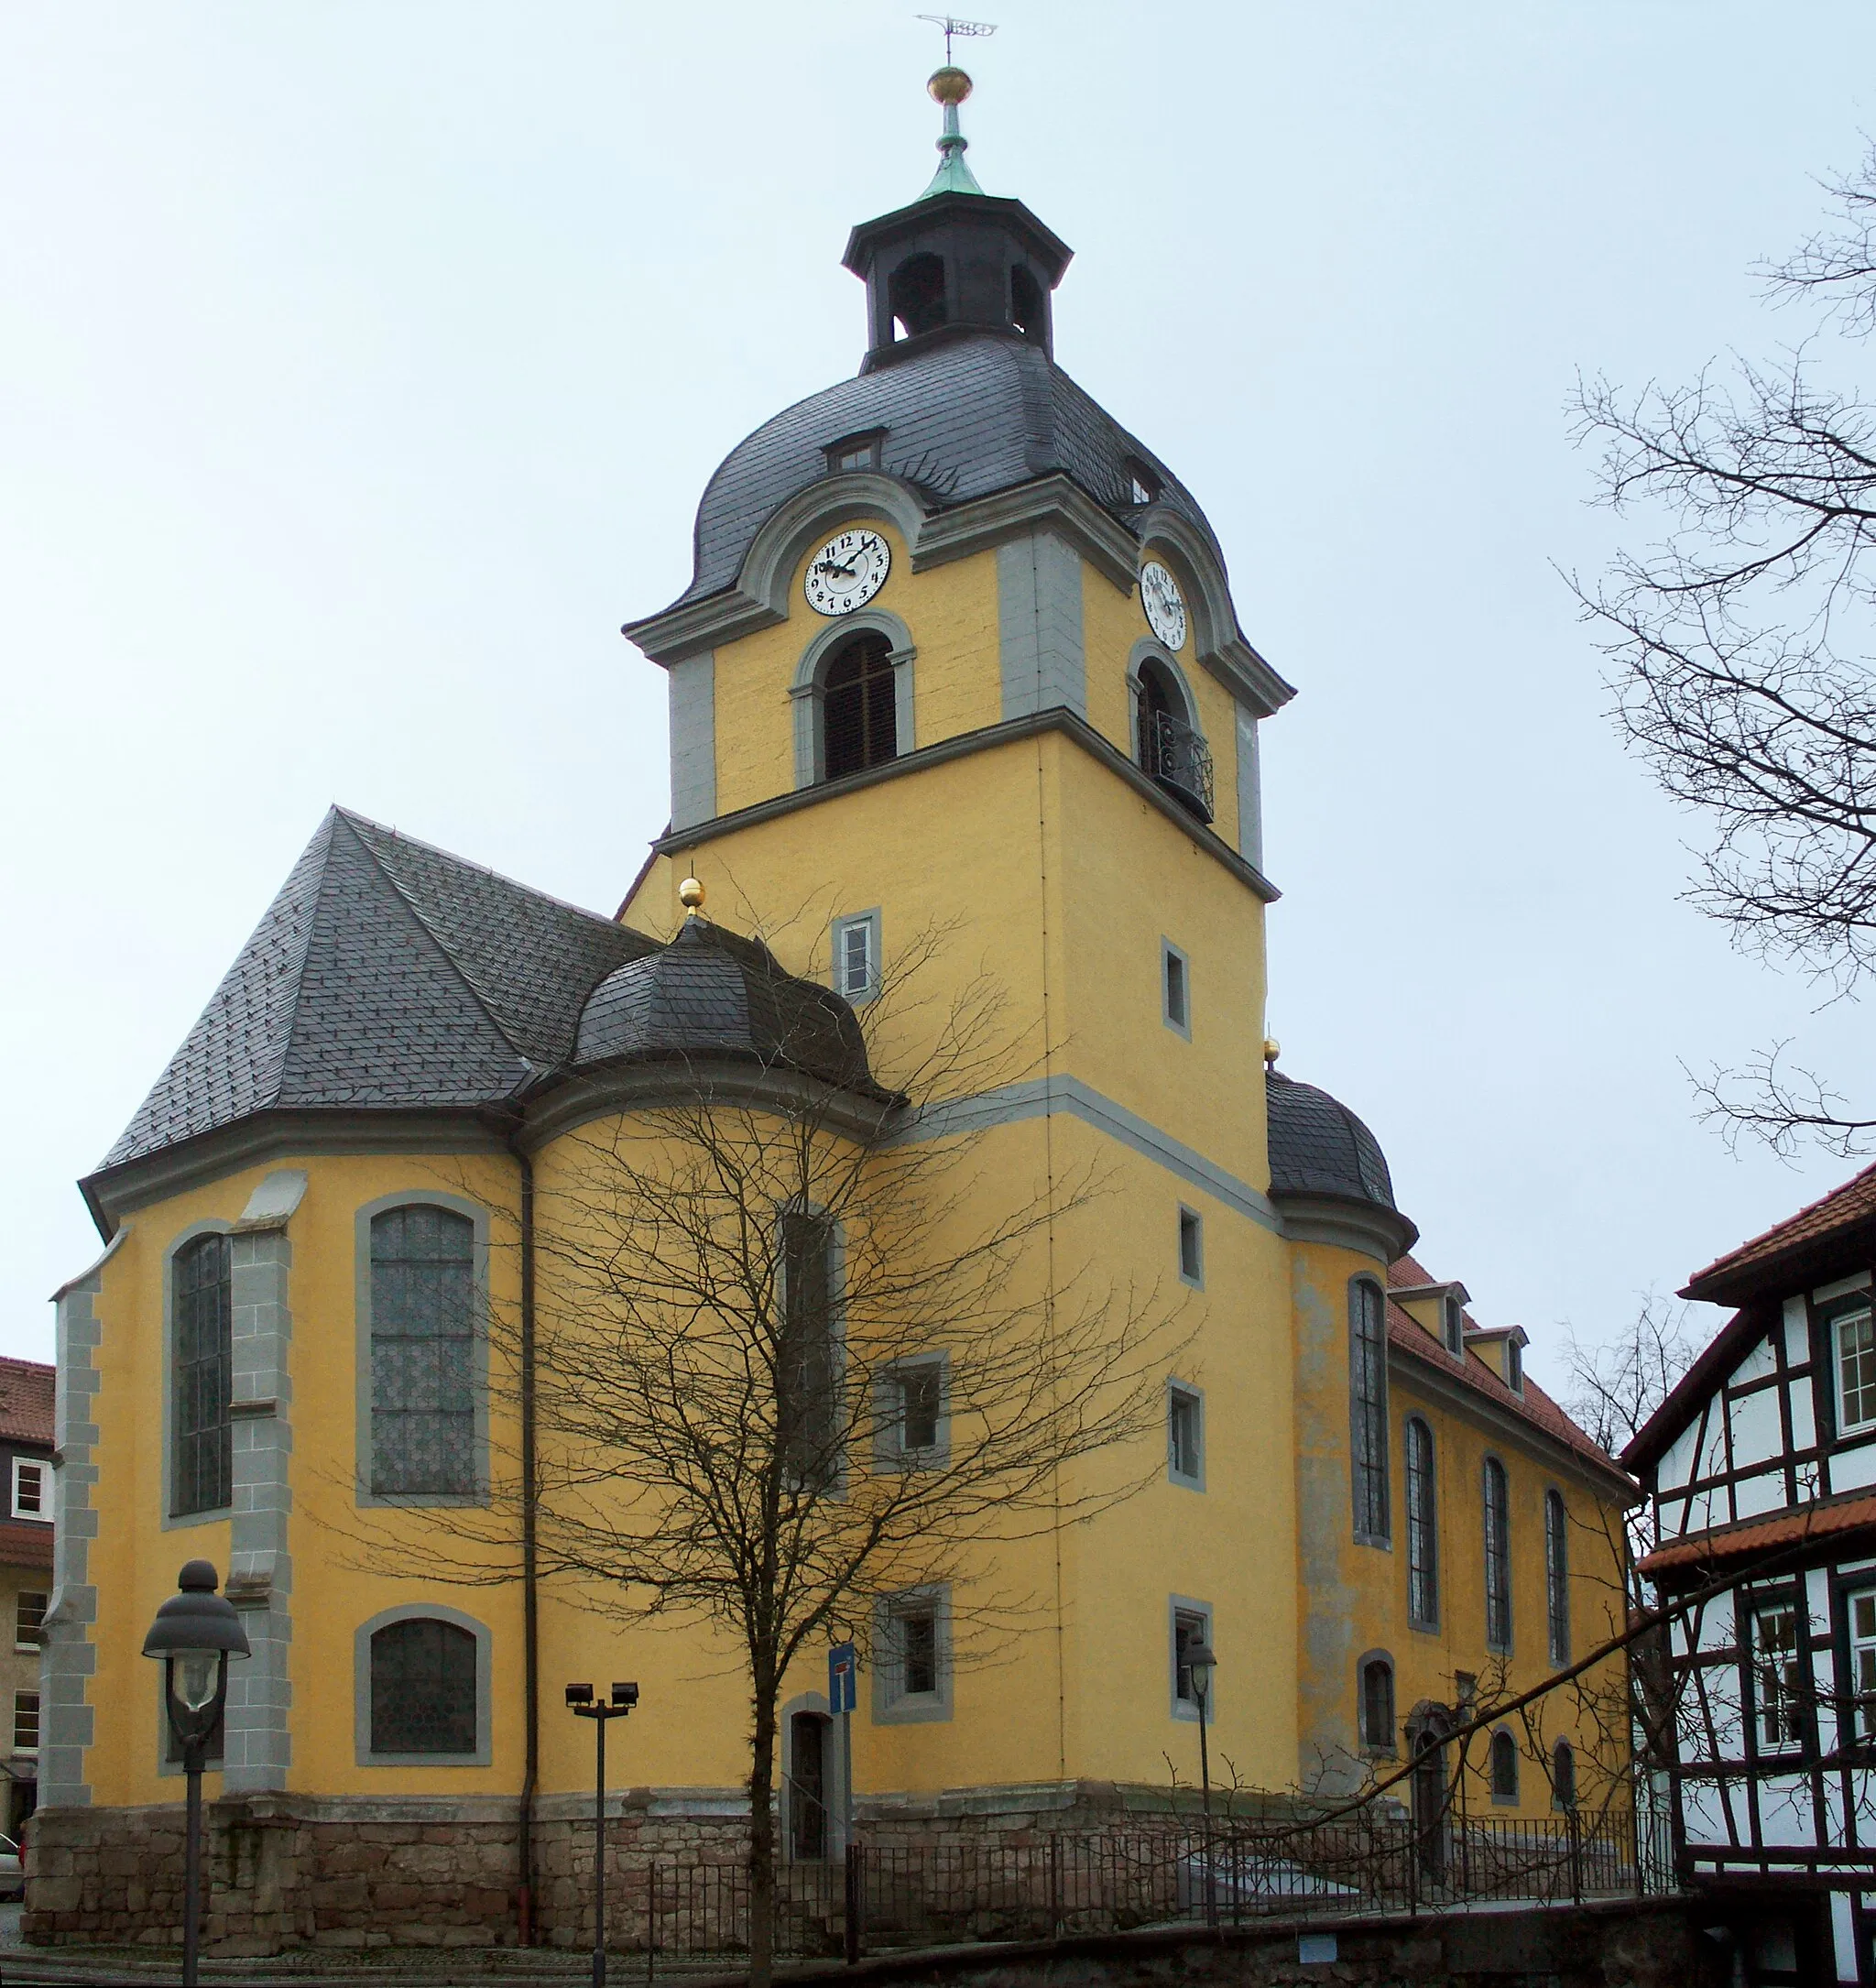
(1142, 484)
(855, 451)
(1453, 1315)
(1514, 1365)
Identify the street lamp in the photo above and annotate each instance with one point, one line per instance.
(581, 1703)
(195, 1633)
(1202, 1662)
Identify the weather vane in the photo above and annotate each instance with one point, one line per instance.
(951, 27)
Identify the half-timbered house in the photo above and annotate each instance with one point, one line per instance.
(1762, 1467)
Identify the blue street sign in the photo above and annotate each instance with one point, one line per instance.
(843, 1667)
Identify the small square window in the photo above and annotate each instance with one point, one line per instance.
(1186, 1436)
(28, 1613)
(1192, 1249)
(1176, 988)
(28, 1489)
(910, 1407)
(1856, 1371)
(25, 1721)
(856, 956)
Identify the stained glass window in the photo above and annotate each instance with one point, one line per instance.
(202, 1316)
(422, 1688)
(422, 1352)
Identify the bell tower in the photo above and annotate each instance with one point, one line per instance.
(956, 261)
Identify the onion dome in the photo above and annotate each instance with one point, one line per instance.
(1320, 1152)
(711, 994)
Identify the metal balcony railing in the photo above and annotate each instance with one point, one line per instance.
(1173, 754)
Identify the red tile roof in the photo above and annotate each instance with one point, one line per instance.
(1760, 1535)
(1533, 1405)
(1844, 1207)
(26, 1543)
(26, 1401)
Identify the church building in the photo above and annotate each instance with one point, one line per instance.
(959, 673)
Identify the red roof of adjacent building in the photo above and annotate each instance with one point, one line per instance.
(26, 1543)
(1760, 1535)
(1844, 1207)
(26, 1401)
(1533, 1405)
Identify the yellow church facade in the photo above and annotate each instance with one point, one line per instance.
(960, 670)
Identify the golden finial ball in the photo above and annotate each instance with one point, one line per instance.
(691, 894)
(1273, 1049)
(949, 85)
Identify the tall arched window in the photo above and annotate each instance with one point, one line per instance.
(423, 1688)
(915, 292)
(1378, 1705)
(1367, 1408)
(1557, 1573)
(805, 1409)
(1172, 752)
(203, 1314)
(422, 1352)
(1422, 1534)
(859, 725)
(1562, 1775)
(1504, 1767)
(1498, 1557)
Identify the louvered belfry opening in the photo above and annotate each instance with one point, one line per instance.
(917, 292)
(859, 725)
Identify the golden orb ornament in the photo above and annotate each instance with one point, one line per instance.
(949, 85)
(1273, 1049)
(691, 894)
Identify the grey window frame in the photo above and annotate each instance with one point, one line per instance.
(1492, 1753)
(363, 1461)
(1499, 1638)
(1556, 1574)
(1423, 1526)
(869, 923)
(1383, 1660)
(835, 1263)
(1180, 1024)
(889, 1448)
(1191, 1608)
(1192, 1224)
(1178, 1392)
(361, 1686)
(1370, 1490)
(893, 1704)
(174, 1514)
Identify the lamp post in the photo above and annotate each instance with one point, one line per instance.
(195, 1633)
(1201, 1662)
(581, 1704)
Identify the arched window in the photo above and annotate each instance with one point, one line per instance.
(859, 725)
(1562, 1775)
(1367, 1409)
(1423, 1547)
(202, 1310)
(915, 294)
(1026, 310)
(1171, 750)
(805, 1419)
(1504, 1767)
(1556, 1574)
(422, 1352)
(423, 1688)
(1378, 1705)
(1498, 1557)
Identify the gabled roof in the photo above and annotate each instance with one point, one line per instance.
(387, 973)
(1749, 1268)
(1533, 1405)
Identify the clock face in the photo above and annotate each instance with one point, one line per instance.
(1165, 604)
(847, 571)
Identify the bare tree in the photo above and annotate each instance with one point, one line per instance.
(800, 1366)
(1742, 642)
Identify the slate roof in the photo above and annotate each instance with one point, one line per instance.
(26, 1401)
(1730, 1277)
(1319, 1147)
(1533, 1405)
(387, 973)
(964, 418)
(712, 992)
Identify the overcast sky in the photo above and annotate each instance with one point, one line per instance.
(361, 365)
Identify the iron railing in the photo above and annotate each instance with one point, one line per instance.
(1173, 754)
(1035, 1886)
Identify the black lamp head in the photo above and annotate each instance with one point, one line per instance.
(196, 1617)
(624, 1696)
(579, 1693)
